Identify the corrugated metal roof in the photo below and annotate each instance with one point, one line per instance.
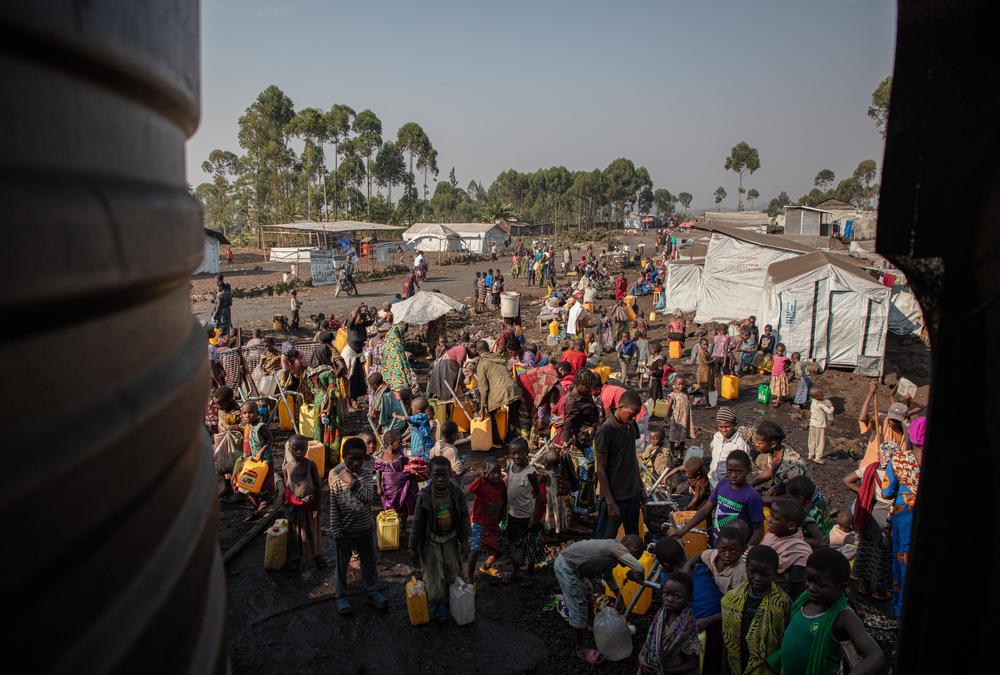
(218, 236)
(799, 265)
(806, 208)
(768, 240)
(331, 226)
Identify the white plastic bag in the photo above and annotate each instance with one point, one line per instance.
(611, 635)
(462, 602)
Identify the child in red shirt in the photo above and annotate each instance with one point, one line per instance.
(487, 510)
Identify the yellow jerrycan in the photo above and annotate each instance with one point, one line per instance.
(630, 588)
(276, 545)
(416, 602)
(316, 451)
(482, 434)
(730, 387)
(675, 349)
(387, 530)
(252, 475)
(286, 412)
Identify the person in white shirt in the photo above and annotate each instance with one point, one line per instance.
(574, 316)
(820, 414)
(726, 440)
(418, 261)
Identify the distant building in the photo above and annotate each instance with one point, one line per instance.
(210, 261)
(807, 221)
(836, 205)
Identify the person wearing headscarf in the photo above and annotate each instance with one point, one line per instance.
(292, 366)
(372, 353)
(902, 477)
(323, 380)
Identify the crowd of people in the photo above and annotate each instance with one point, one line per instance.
(581, 448)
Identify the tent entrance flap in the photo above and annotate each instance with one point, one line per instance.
(845, 328)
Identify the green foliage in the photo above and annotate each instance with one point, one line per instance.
(777, 205)
(752, 195)
(498, 209)
(389, 168)
(685, 199)
(879, 109)
(367, 139)
(664, 202)
(824, 178)
(742, 160)
(271, 183)
(720, 194)
(865, 175)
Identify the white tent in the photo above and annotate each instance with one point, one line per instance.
(476, 237)
(828, 309)
(683, 285)
(423, 307)
(905, 315)
(434, 237)
(735, 268)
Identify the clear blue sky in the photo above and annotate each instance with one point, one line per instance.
(670, 84)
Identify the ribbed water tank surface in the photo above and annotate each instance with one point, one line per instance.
(110, 557)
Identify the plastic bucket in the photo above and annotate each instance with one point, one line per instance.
(510, 304)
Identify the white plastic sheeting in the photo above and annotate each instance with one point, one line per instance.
(828, 313)
(423, 307)
(905, 315)
(291, 254)
(682, 287)
(210, 263)
(733, 278)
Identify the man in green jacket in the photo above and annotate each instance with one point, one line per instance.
(497, 389)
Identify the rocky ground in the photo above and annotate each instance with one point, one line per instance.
(271, 629)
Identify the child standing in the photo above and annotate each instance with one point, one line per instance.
(302, 490)
(803, 382)
(820, 414)
(672, 644)
(706, 370)
(720, 345)
(779, 380)
(627, 351)
(784, 535)
(732, 499)
(257, 442)
(525, 508)
(440, 534)
(725, 441)
(296, 305)
(820, 618)
(421, 434)
(396, 486)
(680, 423)
(352, 524)
(654, 367)
(446, 447)
(487, 511)
(754, 615)
(766, 343)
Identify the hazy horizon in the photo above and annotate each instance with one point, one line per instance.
(670, 85)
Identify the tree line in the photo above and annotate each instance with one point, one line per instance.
(268, 182)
